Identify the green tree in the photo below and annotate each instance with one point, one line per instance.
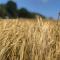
(3, 11)
(25, 13)
(11, 8)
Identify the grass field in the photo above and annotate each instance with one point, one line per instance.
(24, 39)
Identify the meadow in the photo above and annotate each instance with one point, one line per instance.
(29, 39)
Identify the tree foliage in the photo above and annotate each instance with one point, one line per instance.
(3, 11)
(10, 10)
(25, 13)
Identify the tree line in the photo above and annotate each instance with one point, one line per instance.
(10, 10)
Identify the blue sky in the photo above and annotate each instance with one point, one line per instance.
(49, 8)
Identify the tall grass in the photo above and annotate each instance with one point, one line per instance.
(29, 40)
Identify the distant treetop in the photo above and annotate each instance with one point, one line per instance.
(10, 10)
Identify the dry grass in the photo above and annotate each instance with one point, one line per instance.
(29, 40)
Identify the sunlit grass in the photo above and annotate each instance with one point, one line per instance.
(24, 39)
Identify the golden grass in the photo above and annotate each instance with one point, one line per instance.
(29, 40)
